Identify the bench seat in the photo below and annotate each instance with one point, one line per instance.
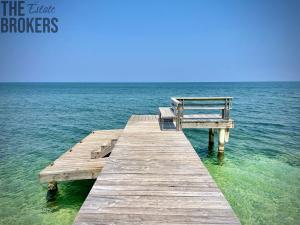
(166, 113)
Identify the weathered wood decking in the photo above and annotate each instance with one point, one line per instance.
(76, 163)
(154, 177)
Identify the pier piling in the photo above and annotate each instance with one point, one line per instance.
(211, 138)
(227, 135)
(52, 191)
(221, 141)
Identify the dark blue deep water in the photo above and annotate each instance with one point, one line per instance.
(260, 175)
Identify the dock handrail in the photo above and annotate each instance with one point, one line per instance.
(175, 102)
(181, 104)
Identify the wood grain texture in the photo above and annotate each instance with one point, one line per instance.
(189, 112)
(76, 163)
(166, 113)
(154, 177)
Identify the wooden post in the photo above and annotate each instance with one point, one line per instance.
(211, 138)
(52, 186)
(221, 140)
(178, 116)
(52, 190)
(225, 110)
(227, 135)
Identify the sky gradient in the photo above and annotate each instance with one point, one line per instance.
(159, 40)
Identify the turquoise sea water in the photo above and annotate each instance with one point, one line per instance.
(260, 175)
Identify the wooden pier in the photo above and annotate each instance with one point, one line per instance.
(153, 174)
(77, 163)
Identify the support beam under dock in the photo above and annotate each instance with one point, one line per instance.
(211, 138)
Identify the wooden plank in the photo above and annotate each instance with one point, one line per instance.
(77, 174)
(202, 98)
(202, 116)
(202, 108)
(154, 177)
(209, 123)
(166, 113)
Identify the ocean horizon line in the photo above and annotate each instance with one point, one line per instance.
(138, 82)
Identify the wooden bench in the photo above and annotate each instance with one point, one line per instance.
(166, 113)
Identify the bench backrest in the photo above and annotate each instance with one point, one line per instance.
(212, 104)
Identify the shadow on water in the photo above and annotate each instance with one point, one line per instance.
(68, 195)
(51, 195)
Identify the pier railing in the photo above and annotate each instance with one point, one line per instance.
(188, 108)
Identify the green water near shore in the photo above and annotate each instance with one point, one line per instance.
(260, 175)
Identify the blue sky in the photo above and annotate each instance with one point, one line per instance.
(159, 40)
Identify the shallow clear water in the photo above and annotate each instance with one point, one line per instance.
(260, 175)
